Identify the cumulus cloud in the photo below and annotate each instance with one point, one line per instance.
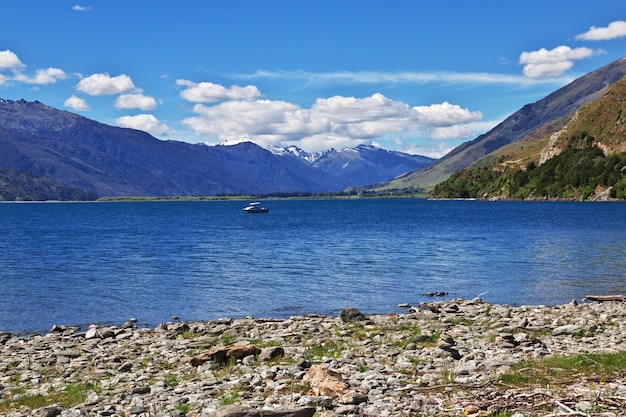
(445, 114)
(551, 63)
(207, 92)
(9, 60)
(451, 132)
(76, 103)
(244, 119)
(330, 122)
(104, 84)
(614, 30)
(135, 101)
(146, 122)
(42, 76)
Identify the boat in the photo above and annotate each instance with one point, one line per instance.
(256, 208)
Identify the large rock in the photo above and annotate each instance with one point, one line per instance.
(351, 314)
(325, 382)
(222, 354)
(271, 353)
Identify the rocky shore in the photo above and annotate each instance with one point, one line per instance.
(445, 358)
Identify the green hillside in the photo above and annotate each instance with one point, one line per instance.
(585, 160)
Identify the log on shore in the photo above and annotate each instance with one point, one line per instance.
(605, 297)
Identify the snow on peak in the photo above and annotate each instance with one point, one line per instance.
(270, 148)
(298, 153)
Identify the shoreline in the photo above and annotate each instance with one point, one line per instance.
(438, 358)
(402, 308)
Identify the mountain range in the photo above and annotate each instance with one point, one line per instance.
(74, 152)
(54, 151)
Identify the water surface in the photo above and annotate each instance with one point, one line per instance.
(80, 263)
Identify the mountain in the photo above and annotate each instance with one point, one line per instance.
(80, 153)
(584, 160)
(545, 113)
(20, 186)
(365, 165)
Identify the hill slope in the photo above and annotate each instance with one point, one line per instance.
(560, 104)
(19, 186)
(584, 160)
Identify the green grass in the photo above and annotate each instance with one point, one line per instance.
(170, 380)
(190, 334)
(328, 348)
(232, 396)
(185, 408)
(66, 397)
(561, 370)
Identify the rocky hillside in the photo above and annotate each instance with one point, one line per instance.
(583, 160)
(543, 116)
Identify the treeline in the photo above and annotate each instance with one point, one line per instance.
(574, 174)
(353, 192)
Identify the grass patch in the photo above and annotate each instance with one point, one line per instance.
(561, 370)
(66, 397)
(170, 380)
(328, 349)
(190, 334)
(184, 408)
(232, 396)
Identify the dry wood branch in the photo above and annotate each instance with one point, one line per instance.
(605, 298)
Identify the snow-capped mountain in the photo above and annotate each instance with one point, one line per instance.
(77, 152)
(361, 165)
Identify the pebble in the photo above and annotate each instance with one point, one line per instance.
(437, 359)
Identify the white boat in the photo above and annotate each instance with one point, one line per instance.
(255, 208)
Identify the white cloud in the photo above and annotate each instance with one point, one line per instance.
(243, 119)
(135, 101)
(452, 132)
(146, 122)
(432, 150)
(332, 122)
(42, 76)
(551, 63)
(76, 103)
(372, 77)
(80, 8)
(614, 30)
(104, 84)
(207, 92)
(446, 114)
(9, 60)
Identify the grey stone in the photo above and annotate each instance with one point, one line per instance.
(566, 329)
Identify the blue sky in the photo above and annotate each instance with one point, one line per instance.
(415, 76)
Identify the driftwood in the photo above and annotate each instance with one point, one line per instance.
(493, 400)
(606, 297)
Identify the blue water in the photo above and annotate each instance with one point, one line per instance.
(81, 263)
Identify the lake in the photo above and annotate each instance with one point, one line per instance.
(82, 263)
